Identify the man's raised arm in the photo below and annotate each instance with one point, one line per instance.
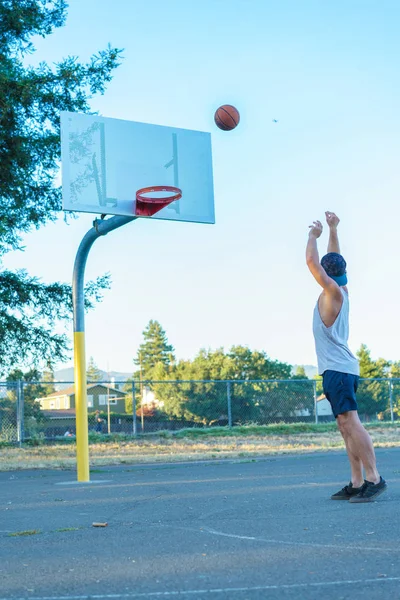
(312, 258)
(333, 222)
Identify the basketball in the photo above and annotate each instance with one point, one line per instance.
(226, 117)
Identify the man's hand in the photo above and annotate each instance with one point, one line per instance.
(315, 229)
(332, 220)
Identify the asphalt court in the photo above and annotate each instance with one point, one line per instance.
(245, 529)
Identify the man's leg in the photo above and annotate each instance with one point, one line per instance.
(356, 465)
(359, 448)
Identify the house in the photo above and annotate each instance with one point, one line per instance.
(149, 399)
(324, 406)
(323, 409)
(99, 397)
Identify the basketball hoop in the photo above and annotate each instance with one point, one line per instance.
(140, 197)
(147, 206)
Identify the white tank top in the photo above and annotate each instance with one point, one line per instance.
(333, 352)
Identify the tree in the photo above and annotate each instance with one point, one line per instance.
(32, 389)
(155, 349)
(255, 400)
(300, 373)
(319, 385)
(395, 384)
(206, 401)
(30, 103)
(93, 373)
(255, 364)
(195, 398)
(372, 396)
(371, 369)
(394, 370)
(48, 380)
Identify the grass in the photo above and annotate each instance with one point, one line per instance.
(262, 430)
(23, 533)
(38, 531)
(215, 443)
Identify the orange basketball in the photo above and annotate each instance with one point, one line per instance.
(226, 117)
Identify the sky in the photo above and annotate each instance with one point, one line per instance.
(328, 72)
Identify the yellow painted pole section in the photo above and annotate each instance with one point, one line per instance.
(82, 435)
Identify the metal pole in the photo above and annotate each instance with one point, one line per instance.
(100, 228)
(228, 394)
(22, 396)
(391, 400)
(108, 410)
(20, 412)
(315, 401)
(134, 423)
(141, 393)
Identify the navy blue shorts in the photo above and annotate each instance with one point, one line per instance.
(340, 389)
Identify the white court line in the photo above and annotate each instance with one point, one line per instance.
(282, 542)
(83, 483)
(284, 586)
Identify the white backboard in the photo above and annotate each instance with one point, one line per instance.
(105, 161)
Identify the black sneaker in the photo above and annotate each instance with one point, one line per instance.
(369, 491)
(346, 493)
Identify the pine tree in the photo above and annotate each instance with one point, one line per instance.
(154, 350)
(93, 373)
(300, 373)
(31, 99)
(369, 368)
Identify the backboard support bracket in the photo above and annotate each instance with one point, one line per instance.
(100, 228)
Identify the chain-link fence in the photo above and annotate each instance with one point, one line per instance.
(379, 399)
(11, 412)
(48, 411)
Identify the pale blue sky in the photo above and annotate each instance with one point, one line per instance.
(328, 71)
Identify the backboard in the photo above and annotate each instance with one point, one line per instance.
(106, 161)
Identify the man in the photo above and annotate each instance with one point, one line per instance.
(338, 366)
(99, 422)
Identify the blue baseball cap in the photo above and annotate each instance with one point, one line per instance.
(335, 266)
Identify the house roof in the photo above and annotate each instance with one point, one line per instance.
(70, 391)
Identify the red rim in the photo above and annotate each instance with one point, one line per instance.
(177, 194)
